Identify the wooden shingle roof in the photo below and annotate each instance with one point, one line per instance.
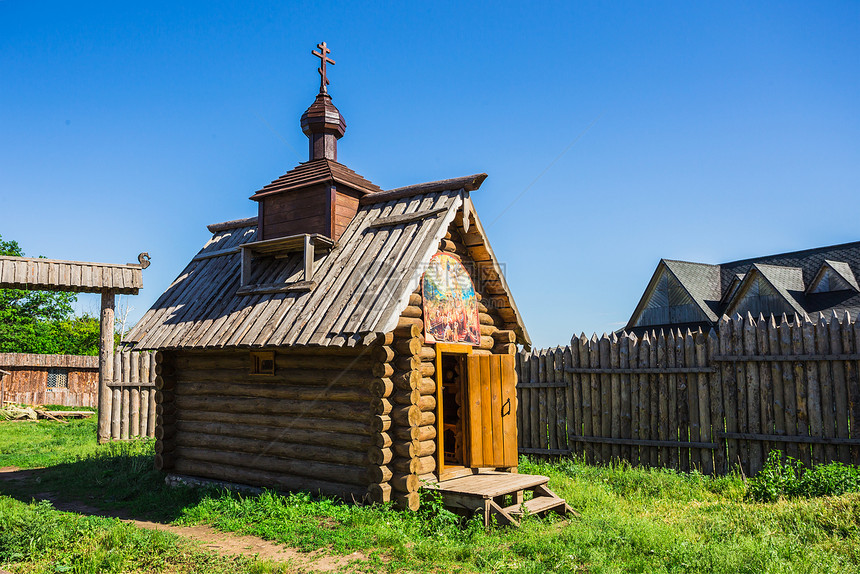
(317, 171)
(360, 286)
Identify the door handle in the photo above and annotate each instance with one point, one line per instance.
(507, 404)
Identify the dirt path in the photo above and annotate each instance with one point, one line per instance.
(223, 543)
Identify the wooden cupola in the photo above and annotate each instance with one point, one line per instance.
(321, 195)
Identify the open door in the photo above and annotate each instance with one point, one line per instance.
(492, 406)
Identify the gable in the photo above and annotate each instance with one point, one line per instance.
(834, 276)
(766, 290)
(666, 301)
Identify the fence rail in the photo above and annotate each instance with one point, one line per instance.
(133, 395)
(695, 400)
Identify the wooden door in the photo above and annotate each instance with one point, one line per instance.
(492, 421)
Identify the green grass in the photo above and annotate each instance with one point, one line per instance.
(43, 443)
(630, 520)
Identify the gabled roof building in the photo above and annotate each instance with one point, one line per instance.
(682, 294)
(347, 340)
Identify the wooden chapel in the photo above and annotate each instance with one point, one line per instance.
(347, 340)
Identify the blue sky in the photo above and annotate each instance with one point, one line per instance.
(613, 134)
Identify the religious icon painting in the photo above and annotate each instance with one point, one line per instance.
(450, 304)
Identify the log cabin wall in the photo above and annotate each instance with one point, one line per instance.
(307, 427)
(28, 382)
(410, 432)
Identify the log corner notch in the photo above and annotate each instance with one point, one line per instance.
(165, 410)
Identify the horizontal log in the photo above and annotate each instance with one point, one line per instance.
(406, 397)
(165, 432)
(402, 322)
(412, 312)
(408, 330)
(379, 474)
(487, 343)
(416, 299)
(505, 349)
(427, 368)
(406, 380)
(380, 423)
(407, 362)
(163, 446)
(427, 353)
(380, 406)
(322, 436)
(325, 471)
(164, 461)
(405, 482)
(383, 353)
(310, 409)
(165, 383)
(408, 346)
(379, 456)
(504, 336)
(161, 420)
(381, 387)
(382, 440)
(488, 330)
(485, 319)
(426, 418)
(164, 397)
(165, 410)
(426, 402)
(414, 465)
(163, 370)
(241, 361)
(251, 448)
(640, 370)
(415, 433)
(788, 438)
(379, 492)
(285, 377)
(275, 480)
(406, 500)
(414, 448)
(162, 357)
(275, 391)
(294, 424)
(382, 370)
(407, 415)
(427, 386)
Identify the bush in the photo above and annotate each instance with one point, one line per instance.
(789, 479)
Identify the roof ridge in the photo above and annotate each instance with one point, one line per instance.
(802, 252)
(232, 224)
(467, 183)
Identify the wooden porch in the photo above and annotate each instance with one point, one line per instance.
(501, 494)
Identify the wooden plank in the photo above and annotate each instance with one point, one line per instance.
(519, 392)
(116, 398)
(778, 404)
(605, 398)
(703, 432)
(476, 432)
(828, 412)
(543, 437)
(801, 390)
(560, 399)
(813, 397)
(509, 397)
(615, 394)
(654, 403)
(488, 441)
(585, 393)
(624, 414)
(524, 407)
(789, 390)
(783, 358)
(648, 443)
(570, 418)
(494, 382)
(766, 393)
(534, 412)
(852, 372)
(687, 415)
(644, 370)
(840, 388)
(576, 385)
(740, 414)
(672, 400)
(594, 388)
(406, 218)
(718, 418)
(634, 400)
(644, 401)
(663, 401)
(549, 420)
(753, 410)
(134, 395)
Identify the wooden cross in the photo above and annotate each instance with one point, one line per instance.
(323, 56)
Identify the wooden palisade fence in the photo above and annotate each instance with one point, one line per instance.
(707, 401)
(133, 401)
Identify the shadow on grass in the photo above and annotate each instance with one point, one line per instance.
(118, 481)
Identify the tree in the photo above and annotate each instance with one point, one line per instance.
(43, 321)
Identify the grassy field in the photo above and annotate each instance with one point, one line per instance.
(630, 520)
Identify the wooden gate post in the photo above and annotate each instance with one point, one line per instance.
(106, 344)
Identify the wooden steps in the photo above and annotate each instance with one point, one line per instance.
(502, 495)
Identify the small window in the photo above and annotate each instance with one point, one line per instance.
(58, 379)
(262, 362)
